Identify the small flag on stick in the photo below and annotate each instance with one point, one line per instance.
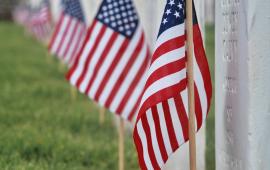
(162, 124)
(69, 33)
(39, 23)
(111, 66)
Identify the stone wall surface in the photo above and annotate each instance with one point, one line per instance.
(242, 84)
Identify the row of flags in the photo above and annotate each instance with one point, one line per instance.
(110, 61)
(37, 19)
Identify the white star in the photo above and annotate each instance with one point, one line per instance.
(168, 11)
(128, 32)
(176, 14)
(104, 8)
(164, 21)
(100, 16)
(107, 20)
(113, 24)
(171, 2)
(180, 6)
(118, 16)
(121, 28)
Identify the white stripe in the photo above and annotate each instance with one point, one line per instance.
(176, 122)
(74, 42)
(153, 133)
(76, 31)
(184, 96)
(163, 83)
(171, 33)
(60, 34)
(129, 77)
(106, 64)
(95, 58)
(163, 127)
(167, 58)
(142, 136)
(134, 98)
(201, 89)
(120, 66)
(67, 38)
(83, 57)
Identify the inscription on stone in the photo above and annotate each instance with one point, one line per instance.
(229, 42)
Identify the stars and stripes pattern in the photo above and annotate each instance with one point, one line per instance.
(69, 33)
(162, 123)
(111, 66)
(40, 21)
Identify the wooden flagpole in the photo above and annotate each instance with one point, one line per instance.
(101, 115)
(73, 93)
(191, 104)
(121, 132)
(61, 66)
(48, 57)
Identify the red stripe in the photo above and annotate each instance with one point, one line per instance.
(139, 147)
(71, 38)
(109, 72)
(123, 74)
(90, 55)
(170, 129)
(168, 46)
(133, 85)
(55, 33)
(159, 134)
(149, 142)
(135, 108)
(198, 109)
(166, 70)
(77, 59)
(101, 60)
(63, 37)
(161, 95)
(182, 115)
(202, 63)
(79, 44)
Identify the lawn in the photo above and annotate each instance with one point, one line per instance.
(42, 128)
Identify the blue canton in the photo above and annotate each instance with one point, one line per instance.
(119, 15)
(174, 14)
(73, 8)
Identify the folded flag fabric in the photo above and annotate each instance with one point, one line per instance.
(111, 66)
(162, 122)
(69, 32)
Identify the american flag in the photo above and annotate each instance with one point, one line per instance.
(69, 33)
(162, 123)
(111, 66)
(40, 21)
(21, 14)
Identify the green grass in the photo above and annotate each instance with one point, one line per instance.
(41, 128)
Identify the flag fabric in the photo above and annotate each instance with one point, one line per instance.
(162, 122)
(40, 21)
(111, 66)
(69, 33)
